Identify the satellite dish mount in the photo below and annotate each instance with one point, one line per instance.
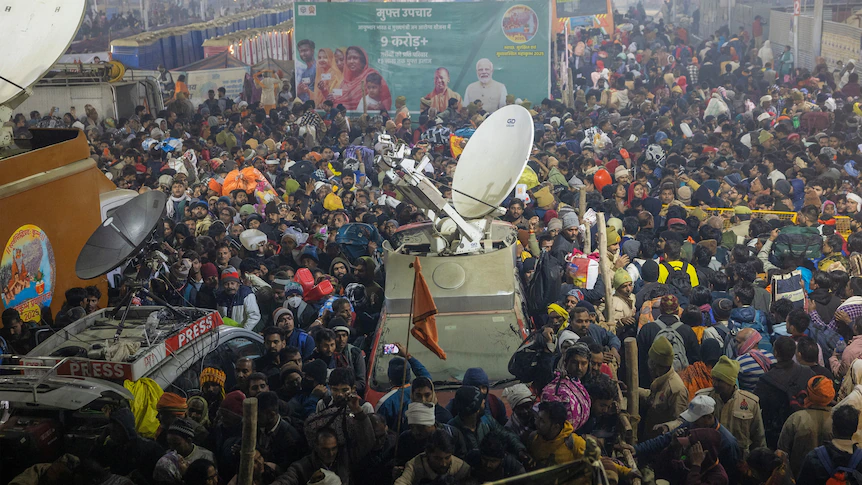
(487, 172)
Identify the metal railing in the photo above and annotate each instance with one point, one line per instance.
(842, 223)
(49, 370)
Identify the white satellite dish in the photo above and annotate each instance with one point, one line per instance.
(36, 34)
(492, 162)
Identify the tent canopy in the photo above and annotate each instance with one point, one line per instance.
(286, 66)
(218, 61)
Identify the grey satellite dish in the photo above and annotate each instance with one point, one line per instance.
(492, 162)
(121, 236)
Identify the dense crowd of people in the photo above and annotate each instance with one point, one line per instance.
(728, 179)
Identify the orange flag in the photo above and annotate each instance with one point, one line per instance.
(424, 323)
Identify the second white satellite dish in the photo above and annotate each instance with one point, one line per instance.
(492, 162)
(35, 33)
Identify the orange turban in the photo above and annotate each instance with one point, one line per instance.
(214, 186)
(172, 403)
(821, 392)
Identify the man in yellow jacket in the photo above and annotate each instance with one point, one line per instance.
(554, 442)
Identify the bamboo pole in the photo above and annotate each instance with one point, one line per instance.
(605, 263)
(632, 383)
(582, 196)
(406, 365)
(570, 90)
(588, 239)
(249, 441)
(582, 209)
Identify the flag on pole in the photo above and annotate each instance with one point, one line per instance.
(424, 322)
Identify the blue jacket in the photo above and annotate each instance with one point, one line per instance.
(603, 337)
(748, 317)
(387, 407)
(303, 341)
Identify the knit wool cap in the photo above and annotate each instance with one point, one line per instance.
(649, 271)
(764, 137)
(246, 210)
(555, 223)
(209, 270)
(669, 305)
(230, 274)
(570, 219)
(396, 371)
(661, 352)
(211, 374)
(616, 223)
(517, 395)
(613, 236)
(278, 313)
(821, 392)
(726, 370)
(184, 427)
(475, 376)
(684, 194)
(544, 197)
(621, 277)
(716, 222)
(233, 402)
(467, 401)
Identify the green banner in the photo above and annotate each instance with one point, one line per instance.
(365, 55)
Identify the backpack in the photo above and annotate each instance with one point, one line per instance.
(796, 241)
(788, 286)
(671, 333)
(524, 364)
(678, 278)
(843, 474)
(544, 288)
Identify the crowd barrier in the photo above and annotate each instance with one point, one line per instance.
(842, 223)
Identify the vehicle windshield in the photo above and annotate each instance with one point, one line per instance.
(479, 340)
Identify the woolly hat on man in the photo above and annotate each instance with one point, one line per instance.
(669, 305)
(570, 219)
(649, 271)
(517, 395)
(184, 427)
(661, 352)
(726, 370)
(229, 274)
(613, 236)
(621, 277)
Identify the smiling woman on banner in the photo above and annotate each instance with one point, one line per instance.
(356, 70)
(328, 77)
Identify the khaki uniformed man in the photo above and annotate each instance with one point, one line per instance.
(735, 409)
(667, 396)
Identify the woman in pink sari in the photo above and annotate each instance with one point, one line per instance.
(356, 70)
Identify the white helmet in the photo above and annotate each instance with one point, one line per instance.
(655, 153)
